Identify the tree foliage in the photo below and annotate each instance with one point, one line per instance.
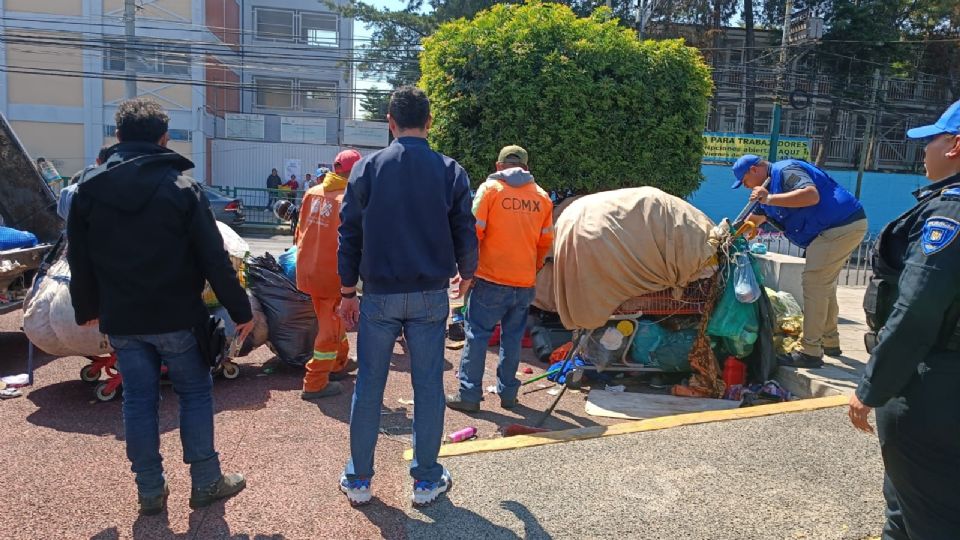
(596, 108)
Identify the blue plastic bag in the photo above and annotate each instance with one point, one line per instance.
(673, 354)
(559, 370)
(649, 336)
(288, 261)
(15, 239)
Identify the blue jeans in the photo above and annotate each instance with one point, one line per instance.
(488, 304)
(422, 316)
(139, 359)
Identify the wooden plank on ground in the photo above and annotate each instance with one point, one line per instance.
(636, 426)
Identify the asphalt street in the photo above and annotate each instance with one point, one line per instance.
(794, 476)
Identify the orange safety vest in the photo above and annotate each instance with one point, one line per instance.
(515, 229)
(317, 240)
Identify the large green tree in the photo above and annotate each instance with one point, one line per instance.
(595, 107)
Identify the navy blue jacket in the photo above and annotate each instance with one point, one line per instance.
(406, 223)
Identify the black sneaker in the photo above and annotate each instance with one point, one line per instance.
(456, 332)
(151, 506)
(800, 360)
(508, 403)
(345, 372)
(227, 486)
(333, 388)
(457, 404)
(832, 351)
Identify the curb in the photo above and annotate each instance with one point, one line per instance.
(814, 383)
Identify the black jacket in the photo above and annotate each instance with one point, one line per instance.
(919, 259)
(141, 241)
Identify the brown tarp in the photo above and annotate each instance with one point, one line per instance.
(545, 298)
(616, 245)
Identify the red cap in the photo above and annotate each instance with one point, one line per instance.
(345, 161)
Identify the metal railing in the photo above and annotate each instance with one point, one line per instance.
(856, 272)
(258, 202)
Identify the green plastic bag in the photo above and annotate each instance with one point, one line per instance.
(734, 322)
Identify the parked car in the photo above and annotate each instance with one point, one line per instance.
(228, 210)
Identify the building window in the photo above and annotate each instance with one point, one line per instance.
(275, 24)
(318, 96)
(149, 57)
(175, 134)
(307, 27)
(274, 93)
(318, 30)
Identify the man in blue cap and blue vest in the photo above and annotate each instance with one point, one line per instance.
(817, 214)
(913, 376)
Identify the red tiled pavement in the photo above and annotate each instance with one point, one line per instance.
(65, 474)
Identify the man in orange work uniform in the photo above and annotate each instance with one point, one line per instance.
(515, 229)
(317, 276)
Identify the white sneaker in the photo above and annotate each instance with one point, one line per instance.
(356, 490)
(425, 492)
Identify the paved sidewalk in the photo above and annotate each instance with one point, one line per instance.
(842, 374)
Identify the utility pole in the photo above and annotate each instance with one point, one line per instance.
(129, 56)
(641, 5)
(867, 143)
(781, 83)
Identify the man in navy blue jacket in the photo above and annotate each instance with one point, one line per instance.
(406, 228)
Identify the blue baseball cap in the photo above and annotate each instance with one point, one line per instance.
(949, 122)
(741, 167)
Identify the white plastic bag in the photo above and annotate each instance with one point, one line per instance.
(746, 286)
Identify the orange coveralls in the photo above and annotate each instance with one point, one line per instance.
(317, 276)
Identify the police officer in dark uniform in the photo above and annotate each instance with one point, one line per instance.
(913, 377)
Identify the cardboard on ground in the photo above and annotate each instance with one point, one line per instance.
(638, 406)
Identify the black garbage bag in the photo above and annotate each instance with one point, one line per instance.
(291, 322)
(762, 362)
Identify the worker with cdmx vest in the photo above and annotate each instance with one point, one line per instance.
(515, 231)
(913, 376)
(817, 214)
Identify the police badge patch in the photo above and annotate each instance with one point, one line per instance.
(938, 232)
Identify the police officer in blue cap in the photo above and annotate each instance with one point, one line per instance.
(815, 213)
(913, 377)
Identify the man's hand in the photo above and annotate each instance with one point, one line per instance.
(859, 413)
(464, 287)
(243, 330)
(350, 311)
(759, 194)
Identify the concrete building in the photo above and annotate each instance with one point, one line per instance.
(62, 69)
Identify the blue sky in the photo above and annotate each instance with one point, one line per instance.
(361, 33)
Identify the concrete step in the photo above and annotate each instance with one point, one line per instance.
(830, 380)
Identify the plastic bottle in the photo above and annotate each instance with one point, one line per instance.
(734, 371)
(463, 434)
(49, 172)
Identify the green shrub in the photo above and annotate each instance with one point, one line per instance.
(595, 107)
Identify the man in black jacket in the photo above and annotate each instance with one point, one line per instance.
(142, 242)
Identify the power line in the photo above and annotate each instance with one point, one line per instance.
(203, 29)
